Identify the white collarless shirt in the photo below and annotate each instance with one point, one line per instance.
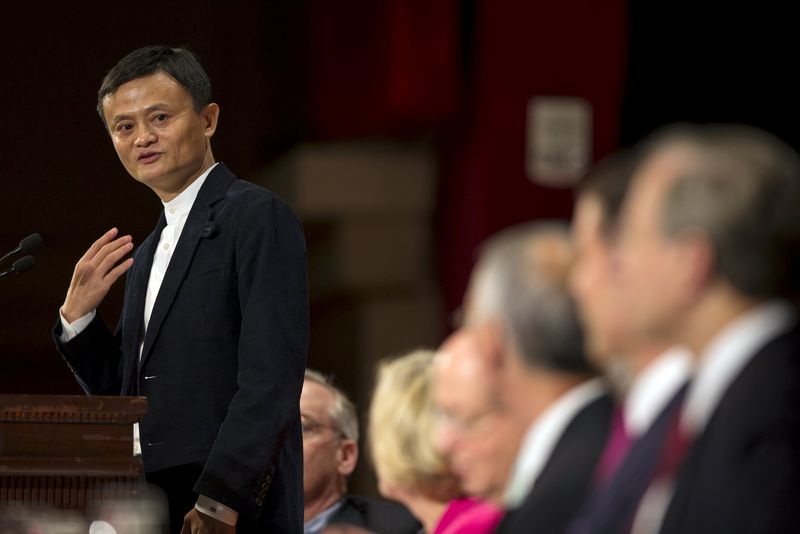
(176, 211)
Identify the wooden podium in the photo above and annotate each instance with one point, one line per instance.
(65, 451)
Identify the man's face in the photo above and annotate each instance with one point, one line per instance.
(159, 137)
(652, 268)
(476, 433)
(322, 442)
(594, 281)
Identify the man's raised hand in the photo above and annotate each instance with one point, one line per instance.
(95, 273)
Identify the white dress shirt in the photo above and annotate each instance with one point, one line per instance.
(542, 436)
(653, 388)
(176, 211)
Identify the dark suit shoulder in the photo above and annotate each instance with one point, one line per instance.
(566, 478)
(249, 191)
(241, 189)
(256, 205)
(748, 456)
(223, 185)
(379, 516)
(763, 402)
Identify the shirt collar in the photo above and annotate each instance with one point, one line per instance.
(654, 387)
(727, 354)
(180, 205)
(542, 436)
(320, 521)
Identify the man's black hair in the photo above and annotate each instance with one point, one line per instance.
(179, 63)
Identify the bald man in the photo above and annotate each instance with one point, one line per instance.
(477, 433)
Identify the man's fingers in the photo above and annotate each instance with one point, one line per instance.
(113, 256)
(187, 523)
(192, 523)
(97, 245)
(109, 248)
(118, 271)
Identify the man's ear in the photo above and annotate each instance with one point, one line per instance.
(210, 116)
(694, 261)
(347, 457)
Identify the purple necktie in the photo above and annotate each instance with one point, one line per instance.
(617, 446)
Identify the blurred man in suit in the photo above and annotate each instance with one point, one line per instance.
(330, 454)
(647, 373)
(476, 432)
(710, 252)
(519, 307)
(214, 325)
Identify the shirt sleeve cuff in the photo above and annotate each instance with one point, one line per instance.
(216, 510)
(70, 330)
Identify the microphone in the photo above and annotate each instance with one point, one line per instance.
(23, 264)
(26, 245)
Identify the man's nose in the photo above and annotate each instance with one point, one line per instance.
(146, 137)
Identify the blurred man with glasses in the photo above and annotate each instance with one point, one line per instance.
(330, 454)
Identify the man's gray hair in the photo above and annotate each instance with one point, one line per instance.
(740, 187)
(521, 280)
(343, 412)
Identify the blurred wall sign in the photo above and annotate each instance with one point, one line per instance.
(559, 140)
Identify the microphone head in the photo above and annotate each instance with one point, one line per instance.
(23, 264)
(30, 243)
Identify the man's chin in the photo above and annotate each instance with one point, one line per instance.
(148, 172)
(146, 178)
(474, 488)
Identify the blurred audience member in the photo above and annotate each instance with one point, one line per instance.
(403, 422)
(648, 373)
(710, 250)
(476, 433)
(525, 320)
(330, 453)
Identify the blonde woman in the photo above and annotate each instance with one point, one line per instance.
(402, 432)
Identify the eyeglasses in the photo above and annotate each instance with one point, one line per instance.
(310, 427)
(468, 425)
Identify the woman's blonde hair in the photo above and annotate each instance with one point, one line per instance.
(402, 427)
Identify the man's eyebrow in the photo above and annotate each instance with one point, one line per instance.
(160, 106)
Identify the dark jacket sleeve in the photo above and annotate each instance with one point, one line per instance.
(93, 356)
(260, 433)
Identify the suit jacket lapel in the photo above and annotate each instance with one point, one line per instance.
(197, 227)
(133, 320)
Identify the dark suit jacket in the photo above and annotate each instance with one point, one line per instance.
(610, 508)
(224, 353)
(381, 517)
(566, 479)
(743, 473)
